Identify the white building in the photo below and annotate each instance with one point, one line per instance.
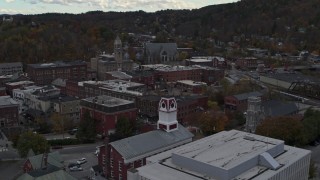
(19, 96)
(228, 155)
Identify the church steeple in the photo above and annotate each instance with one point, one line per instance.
(118, 52)
(167, 115)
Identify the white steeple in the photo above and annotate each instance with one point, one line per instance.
(167, 114)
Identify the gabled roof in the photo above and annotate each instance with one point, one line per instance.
(247, 95)
(142, 144)
(51, 172)
(278, 108)
(154, 49)
(54, 159)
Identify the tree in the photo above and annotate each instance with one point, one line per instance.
(209, 122)
(124, 127)
(311, 123)
(44, 127)
(30, 140)
(287, 128)
(60, 123)
(87, 128)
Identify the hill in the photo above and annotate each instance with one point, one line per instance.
(47, 37)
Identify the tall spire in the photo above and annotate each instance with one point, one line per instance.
(118, 52)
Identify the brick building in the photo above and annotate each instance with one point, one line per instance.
(10, 86)
(106, 111)
(9, 108)
(44, 74)
(10, 68)
(187, 105)
(117, 157)
(191, 86)
(115, 88)
(176, 73)
(210, 61)
(239, 102)
(196, 73)
(247, 63)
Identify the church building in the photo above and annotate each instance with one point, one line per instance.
(117, 61)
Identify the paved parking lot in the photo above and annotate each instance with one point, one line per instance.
(72, 158)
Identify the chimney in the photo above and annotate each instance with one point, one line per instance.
(44, 162)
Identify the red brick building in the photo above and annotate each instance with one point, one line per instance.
(43, 74)
(115, 88)
(106, 111)
(9, 112)
(176, 73)
(196, 73)
(187, 105)
(247, 63)
(117, 157)
(10, 86)
(239, 102)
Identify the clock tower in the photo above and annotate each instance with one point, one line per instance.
(167, 115)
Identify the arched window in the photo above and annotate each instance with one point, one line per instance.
(164, 56)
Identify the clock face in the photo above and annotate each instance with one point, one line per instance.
(163, 105)
(168, 104)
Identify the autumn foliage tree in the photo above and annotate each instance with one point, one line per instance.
(287, 128)
(209, 122)
(30, 140)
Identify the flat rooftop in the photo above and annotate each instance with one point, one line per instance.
(107, 101)
(7, 101)
(225, 155)
(292, 77)
(192, 83)
(19, 83)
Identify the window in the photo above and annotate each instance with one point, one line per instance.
(103, 159)
(111, 162)
(120, 166)
(120, 176)
(141, 162)
(112, 174)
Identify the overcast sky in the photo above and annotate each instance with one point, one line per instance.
(82, 6)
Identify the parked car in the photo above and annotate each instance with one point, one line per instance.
(72, 165)
(76, 168)
(82, 161)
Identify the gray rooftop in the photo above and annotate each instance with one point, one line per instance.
(245, 96)
(7, 101)
(10, 64)
(119, 75)
(293, 77)
(278, 108)
(154, 49)
(150, 143)
(57, 64)
(225, 155)
(107, 101)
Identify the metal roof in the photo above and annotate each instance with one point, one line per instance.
(149, 142)
(154, 49)
(247, 95)
(7, 101)
(279, 108)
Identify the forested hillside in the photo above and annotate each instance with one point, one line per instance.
(47, 37)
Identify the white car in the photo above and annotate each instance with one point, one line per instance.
(82, 161)
(76, 168)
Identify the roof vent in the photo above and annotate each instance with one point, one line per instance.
(249, 138)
